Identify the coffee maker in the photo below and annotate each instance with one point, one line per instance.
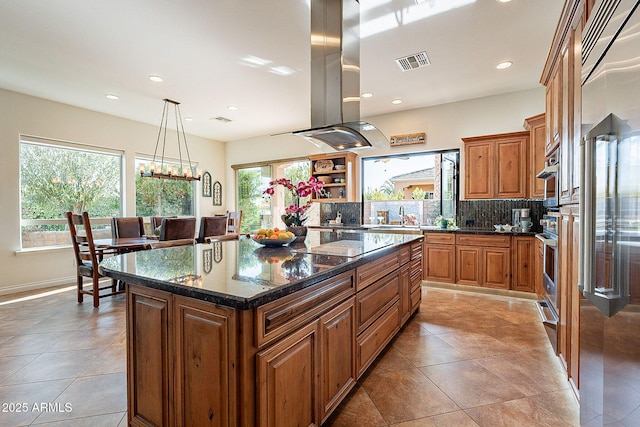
(521, 219)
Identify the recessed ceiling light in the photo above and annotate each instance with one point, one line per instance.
(155, 78)
(188, 119)
(112, 96)
(232, 107)
(367, 95)
(503, 65)
(396, 101)
(503, 1)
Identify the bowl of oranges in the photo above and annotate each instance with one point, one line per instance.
(273, 237)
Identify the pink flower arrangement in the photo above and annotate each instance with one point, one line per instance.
(294, 214)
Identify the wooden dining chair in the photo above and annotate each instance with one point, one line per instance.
(234, 222)
(87, 259)
(178, 228)
(212, 226)
(127, 227)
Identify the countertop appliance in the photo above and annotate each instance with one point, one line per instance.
(547, 306)
(609, 269)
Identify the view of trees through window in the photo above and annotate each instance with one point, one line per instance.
(55, 179)
(258, 211)
(163, 197)
(410, 189)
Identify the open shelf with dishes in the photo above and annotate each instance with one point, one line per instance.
(337, 172)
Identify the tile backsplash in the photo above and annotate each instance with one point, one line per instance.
(351, 212)
(486, 213)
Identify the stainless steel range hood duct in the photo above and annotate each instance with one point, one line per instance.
(335, 78)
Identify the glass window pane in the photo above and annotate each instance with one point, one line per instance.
(163, 197)
(55, 179)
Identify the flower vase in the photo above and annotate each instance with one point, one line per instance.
(300, 231)
(444, 223)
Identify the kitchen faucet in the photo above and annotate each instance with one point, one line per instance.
(401, 213)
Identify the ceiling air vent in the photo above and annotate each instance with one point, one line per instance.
(417, 60)
(222, 119)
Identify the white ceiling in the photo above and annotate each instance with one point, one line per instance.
(77, 51)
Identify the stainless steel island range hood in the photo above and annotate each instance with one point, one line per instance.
(335, 78)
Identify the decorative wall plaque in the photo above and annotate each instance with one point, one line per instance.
(217, 194)
(207, 260)
(217, 251)
(206, 184)
(407, 139)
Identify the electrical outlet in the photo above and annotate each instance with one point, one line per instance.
(469, 223)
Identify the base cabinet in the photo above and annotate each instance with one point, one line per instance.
(524, 261)
(289, 362)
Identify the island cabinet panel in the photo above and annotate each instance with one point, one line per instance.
(277, 318)
(369, 273)
(338, 356)
(287, 380)
(149, 356)
(374, 339)
(405, 294)
(204, 354)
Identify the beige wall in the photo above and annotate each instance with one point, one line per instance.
(444, 125)
(21, 114)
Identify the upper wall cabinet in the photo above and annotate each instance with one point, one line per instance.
(337, 171)
(496, 166)
(537, 141)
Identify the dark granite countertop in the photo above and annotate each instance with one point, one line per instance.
(420, 229)
(243, 274)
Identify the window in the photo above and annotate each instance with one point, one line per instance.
(410, 189)
(258, 211)
(57, 177)
(163, 197)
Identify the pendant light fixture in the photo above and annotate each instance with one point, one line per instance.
(161, 168)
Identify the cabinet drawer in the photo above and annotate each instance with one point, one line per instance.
(281, 316)
(377, 298)
(416, 250)
(440, 238)
(369, 273)
(416, 295)
(483, 240)
(376, 337)
(416, 267)
(404, 254)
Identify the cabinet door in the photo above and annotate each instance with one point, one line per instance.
(405, 294)
(288, 373)
(537, 141)
(496, 268)
(338, 361)
(566, 146)
(523, 258)
(468, 265)
(204, 354)
(148, 356)
(539, 288)
(440, 263)
(511, 164)
(478, 175)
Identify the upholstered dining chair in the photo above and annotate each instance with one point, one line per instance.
(87, 259)
(127, 227)
(212, 226)
(235, 220)
(156, 221)
(178, 228)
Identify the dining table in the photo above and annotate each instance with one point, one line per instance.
(124, 244)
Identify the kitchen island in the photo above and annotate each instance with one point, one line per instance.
(231, 333)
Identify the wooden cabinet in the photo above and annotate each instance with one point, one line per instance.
(496, 166)
(537, 142)
(553, 110)
(539, 286)
(440, 257)
(337, 356)
(287, 375)
(523, 249)
(483, 260)
(340, 177)
(197, 388)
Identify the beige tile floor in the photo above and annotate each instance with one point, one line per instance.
(465, 359)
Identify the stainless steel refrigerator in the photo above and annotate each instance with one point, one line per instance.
(610, 217)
